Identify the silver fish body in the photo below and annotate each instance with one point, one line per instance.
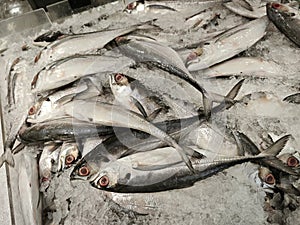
(112, 115)
(244, 8)
(79, 44)
(126, 143)
(228, 44)
(164, 173)
(49, 157)
(68, 70)
(286, 19)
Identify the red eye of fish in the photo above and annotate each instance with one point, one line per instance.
(131, 6)
(83, 171)
(44, 179)
(118, 77)
(69, 159)
(270, 179)
(276, 5)
(292, 161)
(32, 110)
(191, 56)
(103, 181)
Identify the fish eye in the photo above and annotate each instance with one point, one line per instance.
(131, 6)
(276, 5)
(69, 159)
(103, 181)
(270, 179)
(118, 77)
(292, 161)
(83, 171)
(32, 111)
(191, 56)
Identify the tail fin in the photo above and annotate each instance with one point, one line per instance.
(229, 101)
(276, 148)
(7, 157)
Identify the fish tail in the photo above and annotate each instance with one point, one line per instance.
(276, 148)
(7, 157)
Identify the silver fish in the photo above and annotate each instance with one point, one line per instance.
(112, 115)
(125, 175)
(286, 19)
(67, 129)
(243, 66)
(68, 155)
(249, 9)
(79, 44)
(227, 45)
(49, 157)
(68, 70)
(28, 187)
(149, 51)
(125, 143)
(131, 94)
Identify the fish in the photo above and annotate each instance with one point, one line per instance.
(79, 44)
(131, 94)
(113, 115)
(68, 155)
(289, 160)
(227, 45)
(28, 188)
(252, 149)
(144, 6)
(249, 9)
(48, 158)
(67, 70)
(149, 51)
(200, 19)
(294, 98)
(126, 176)
(243, 66)
(126, 143)
(286, 19)
(267, 179)
(67, 129)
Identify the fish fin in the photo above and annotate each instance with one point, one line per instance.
(207, 104)
(139, 106)
(235, 90)
(153, 115)
(241, 150)
(276, 148)
(7, 157)
(193, 153)
(245, 143)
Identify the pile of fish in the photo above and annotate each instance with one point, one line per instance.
(89, 113)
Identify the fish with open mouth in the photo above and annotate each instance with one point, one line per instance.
(286, 19)
(127, 175)
(131, 94)
(227, 45)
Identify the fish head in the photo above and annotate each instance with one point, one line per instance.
(105, 180)
(69, 154)
(267, 179)
(193, 57)
(289, 159)
(275, 9)
(41, 108)
(135, 6)
(119, 84)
